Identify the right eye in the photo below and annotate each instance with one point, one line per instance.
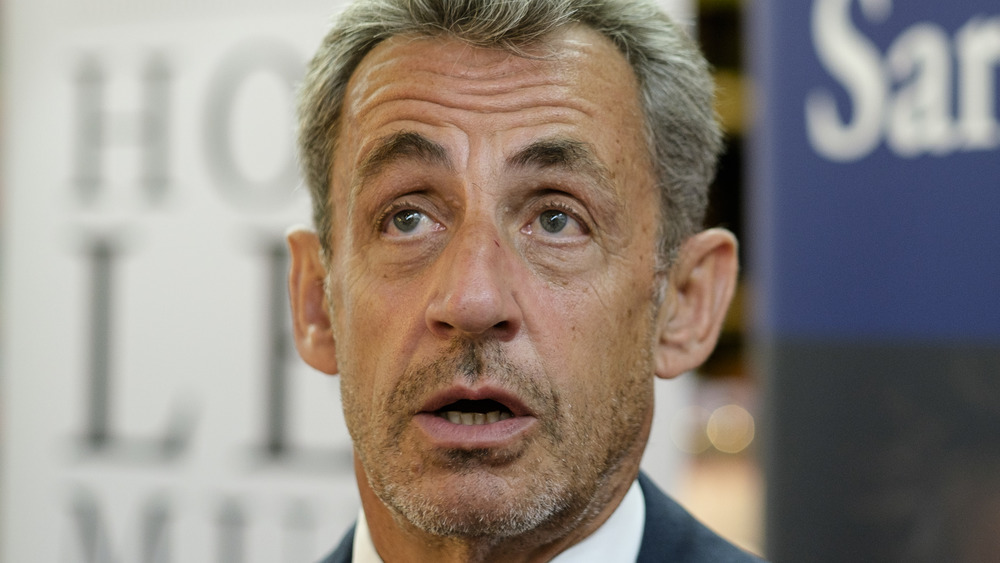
(408, 222)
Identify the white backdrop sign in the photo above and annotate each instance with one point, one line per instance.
(154, 409)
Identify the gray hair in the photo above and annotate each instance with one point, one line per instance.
(675, 87)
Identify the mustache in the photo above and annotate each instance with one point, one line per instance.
(472, 362)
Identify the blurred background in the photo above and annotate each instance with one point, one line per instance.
(153, 409)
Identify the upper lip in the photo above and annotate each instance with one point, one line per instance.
(455, 393)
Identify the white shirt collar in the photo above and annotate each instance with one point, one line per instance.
(618, 539)
(364, 549)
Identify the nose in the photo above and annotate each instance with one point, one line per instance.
(473, 288)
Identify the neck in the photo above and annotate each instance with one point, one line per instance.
(396, 539)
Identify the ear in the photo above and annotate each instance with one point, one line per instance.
(701, 285)
(310, 314)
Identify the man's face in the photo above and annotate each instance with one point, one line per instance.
(492, 279)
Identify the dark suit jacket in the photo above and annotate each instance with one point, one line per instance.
(670, 535)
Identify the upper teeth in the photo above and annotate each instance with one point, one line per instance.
(475, 418)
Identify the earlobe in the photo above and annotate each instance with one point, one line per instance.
(701, 286)
(310, 315)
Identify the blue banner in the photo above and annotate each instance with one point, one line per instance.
(875, 163)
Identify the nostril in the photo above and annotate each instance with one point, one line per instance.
(505, 330)
(441, 326)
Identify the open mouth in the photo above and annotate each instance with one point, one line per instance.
(468, 412)
(484, 418)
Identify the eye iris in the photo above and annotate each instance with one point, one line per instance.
(406, 220)
(553, 221)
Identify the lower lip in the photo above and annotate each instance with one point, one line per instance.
(446, 434)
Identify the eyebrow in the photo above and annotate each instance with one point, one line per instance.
(400, 146)
(559, 152)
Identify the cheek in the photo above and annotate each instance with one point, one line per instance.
(612, 332)
(599, 327)
(374, 323)
(361, 297)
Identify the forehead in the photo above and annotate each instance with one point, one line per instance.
(575, 67)
(575, 57)
(575, 84)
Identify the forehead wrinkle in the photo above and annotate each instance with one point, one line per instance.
(486, 86)
(509, 98)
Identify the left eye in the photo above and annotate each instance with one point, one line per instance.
(556, 222)
(553, 221)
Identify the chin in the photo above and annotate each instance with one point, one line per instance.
(473, 506)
